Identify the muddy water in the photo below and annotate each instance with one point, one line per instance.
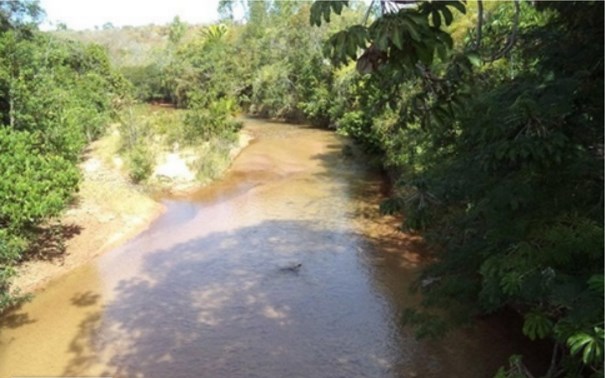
(210, 289)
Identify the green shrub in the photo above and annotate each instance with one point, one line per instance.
(34, 187)
(213, 160)
(149, 82)
(55, 97)
(140, 163)
(214, 119)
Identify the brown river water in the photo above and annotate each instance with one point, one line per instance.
(206, 290)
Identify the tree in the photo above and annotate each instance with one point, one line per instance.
(496, 139)
(20, 14)
(55, 96)
(177, 30)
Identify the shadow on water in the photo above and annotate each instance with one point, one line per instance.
(214, 287)
(15, 318)
(222, 305)
(85, 299)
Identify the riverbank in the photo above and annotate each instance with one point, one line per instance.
(108, 211)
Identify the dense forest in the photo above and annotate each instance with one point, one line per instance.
(487, 116)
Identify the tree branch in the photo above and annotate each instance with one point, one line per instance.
(479, 24)
(367, 16)
(553, 361)
(511, 39)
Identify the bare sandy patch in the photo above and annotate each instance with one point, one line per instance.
(108, 211)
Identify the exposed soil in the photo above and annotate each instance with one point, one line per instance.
(108, 211)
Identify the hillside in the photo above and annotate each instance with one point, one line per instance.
(130, 46)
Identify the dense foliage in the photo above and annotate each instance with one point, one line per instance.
(55, 97)
(498, 141)
(270, 65)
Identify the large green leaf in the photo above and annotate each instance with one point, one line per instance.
(537, 325)
(322, 10)
(589, 345)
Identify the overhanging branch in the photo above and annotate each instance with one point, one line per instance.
(512, 38)
(479, 24)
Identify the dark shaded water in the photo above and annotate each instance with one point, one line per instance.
(207, 291)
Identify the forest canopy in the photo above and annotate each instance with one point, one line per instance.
(496, 138)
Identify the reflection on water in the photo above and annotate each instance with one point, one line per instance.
(207, 291)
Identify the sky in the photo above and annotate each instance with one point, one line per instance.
(86, 14)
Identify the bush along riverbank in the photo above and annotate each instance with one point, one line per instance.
(56, 97)
(167, 149)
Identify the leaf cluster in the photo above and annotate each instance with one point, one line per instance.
(500, 163)
(55, 97)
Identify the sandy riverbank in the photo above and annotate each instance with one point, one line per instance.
(108, 211)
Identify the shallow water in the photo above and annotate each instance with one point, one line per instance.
(207, 291)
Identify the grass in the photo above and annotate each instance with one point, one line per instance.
(213, 160)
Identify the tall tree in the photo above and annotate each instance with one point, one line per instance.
(498, 140)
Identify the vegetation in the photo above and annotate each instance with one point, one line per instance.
(498, 140)
(203, 137)
(490, 116)
(55, 97)
(490, 119)
(176, 67)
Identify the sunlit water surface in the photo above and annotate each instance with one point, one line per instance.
(207, 291)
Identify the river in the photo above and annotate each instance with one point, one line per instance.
(277, 270)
